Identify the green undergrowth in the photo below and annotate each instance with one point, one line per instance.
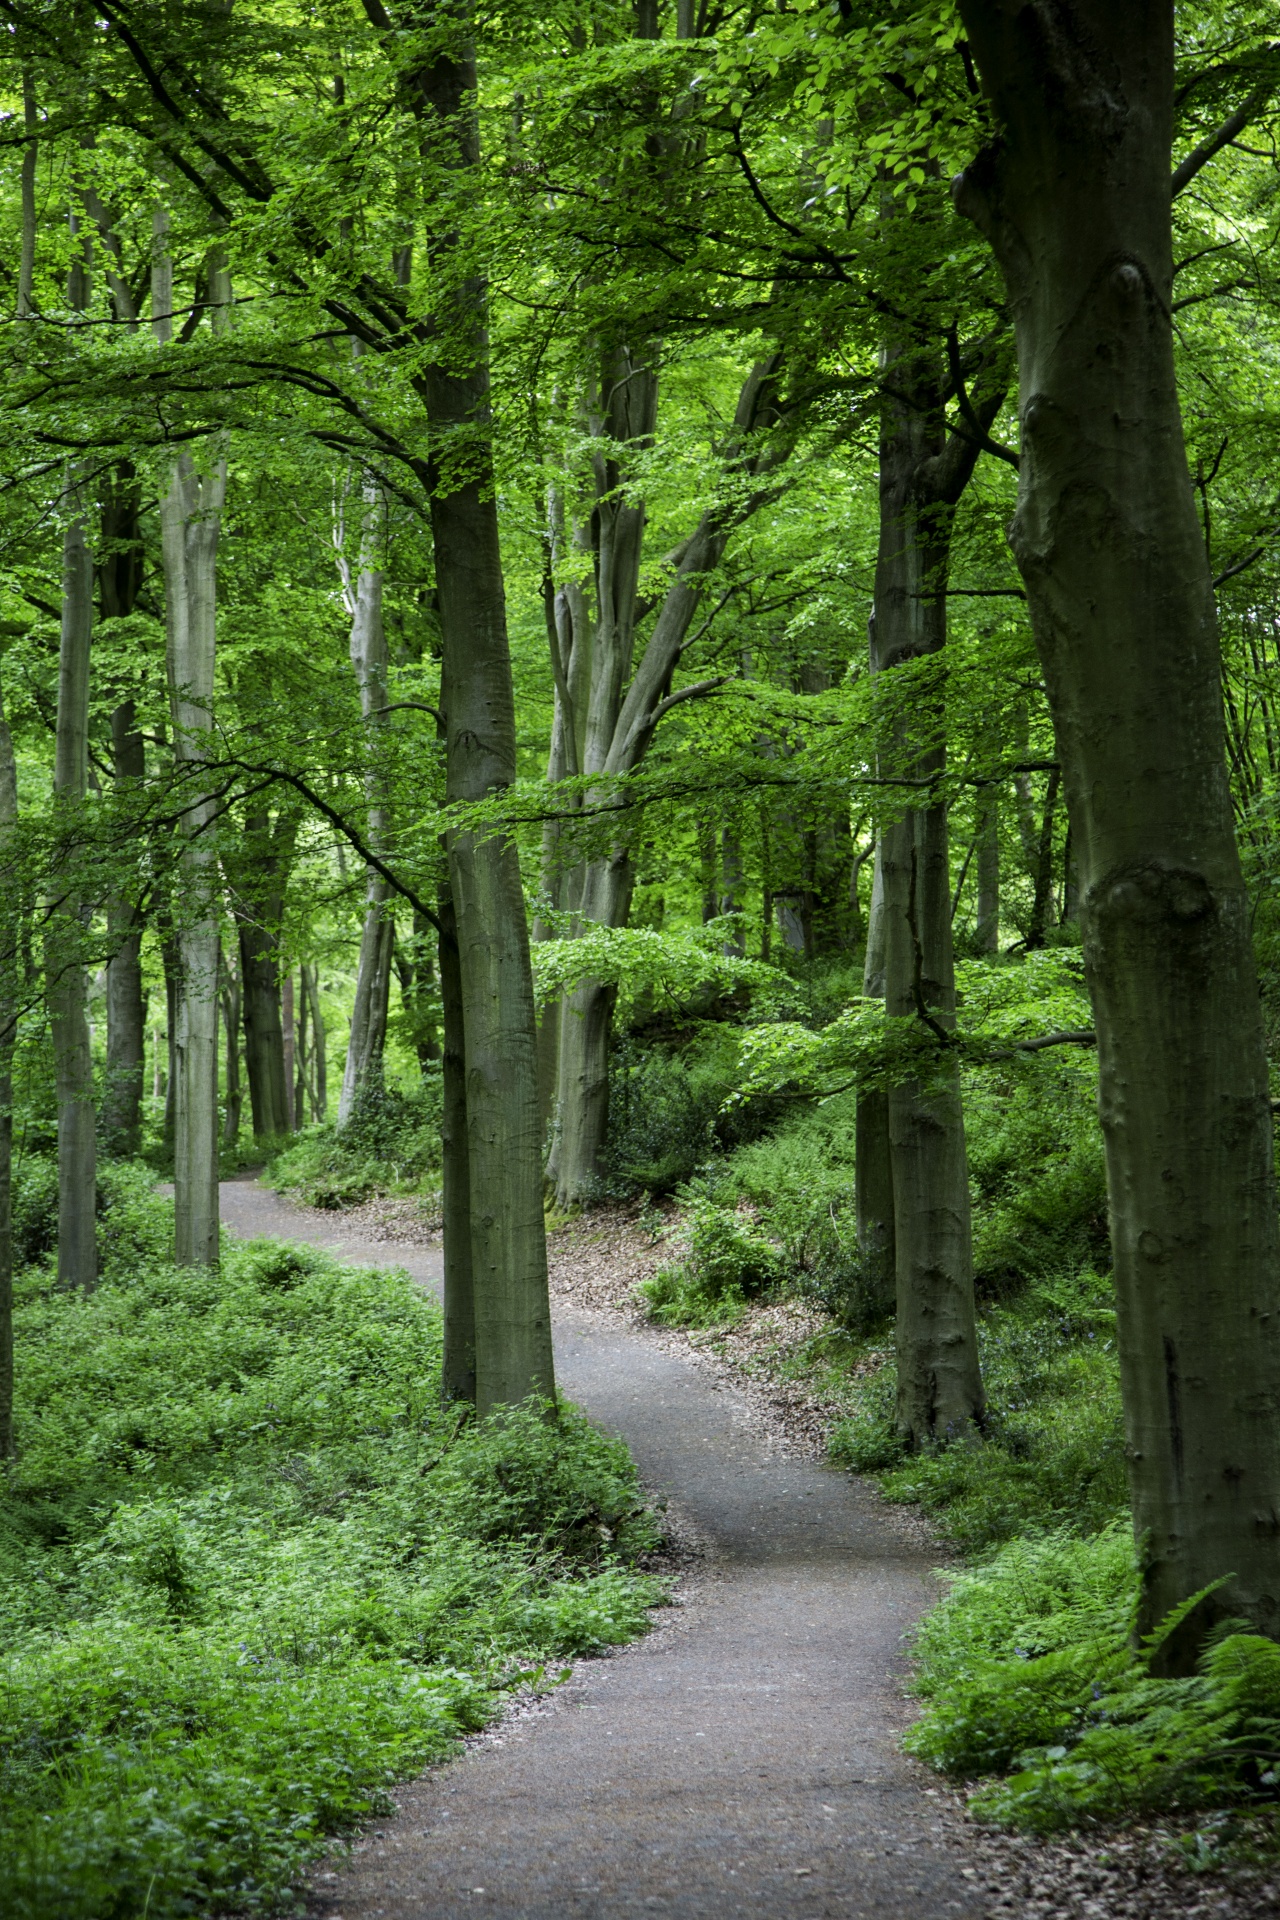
(252, 1573)
(1053, 1452)
(1034, 1690)
(391, 1144)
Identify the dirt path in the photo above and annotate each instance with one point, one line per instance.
(742, 1760)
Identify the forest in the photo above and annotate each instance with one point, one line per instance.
(650, 627)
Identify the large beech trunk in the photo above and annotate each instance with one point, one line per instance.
(68, 1015)
(190, 520)
(1075, 198)
(508, 1266)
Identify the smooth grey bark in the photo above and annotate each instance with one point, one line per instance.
(66, 981)
(190, 523)
(512, 1318)
(319, 1090)
(119, 581)
(922, 475)
(10, 929)
(289, 1045)
(459, 1370)
(67, 985)
(622, 718)
(368, 649)
(570, 637)
(872, 1158)
(1074, 195)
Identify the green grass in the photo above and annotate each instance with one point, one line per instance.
(251, 1572)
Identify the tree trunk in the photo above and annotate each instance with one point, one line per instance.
(230, 993)
(170, 962)
(119, 580)
(261, 870)
(263, 1031)
(586, 1022)
(873, 1160)
(73, 1063)
(622, 718)
(1043, 900)
(940, 1394)
(1075, 198)
(289, 1038)
(368, 649)
(368, 1036)
(9, 986)
(459, 1373)
(415, 971)
(513, 1355)
(319, 1084)
(190, 521)
(65, 974)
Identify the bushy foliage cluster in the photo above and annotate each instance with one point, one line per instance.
(726, 1260)
(252, 1572)
(391, 1144)
(1033, 1685)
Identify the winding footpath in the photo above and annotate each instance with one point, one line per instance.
(743, 1759)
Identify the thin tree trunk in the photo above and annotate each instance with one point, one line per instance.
(263, 1030)
(67, 985)
(513, 1356)
(230, 993)
(940, 1395)
(459, 1373)
(170, 962)
(872, 1159)
(120, 577)
(415, 971)
(9, 944)
(621, 724)
(368, 1037)
(368, 649)
(320, 1088)
(260, 872)
(289, 1045)
(1075, 198)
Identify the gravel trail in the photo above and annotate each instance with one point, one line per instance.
(740, 1761)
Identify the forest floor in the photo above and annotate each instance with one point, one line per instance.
(743, 1758)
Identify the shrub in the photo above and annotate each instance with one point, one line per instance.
(252, 1572)
(727, 1259)
(1028, 1664)
(390, 1143)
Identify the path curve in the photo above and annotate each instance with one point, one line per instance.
(743, 1760)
